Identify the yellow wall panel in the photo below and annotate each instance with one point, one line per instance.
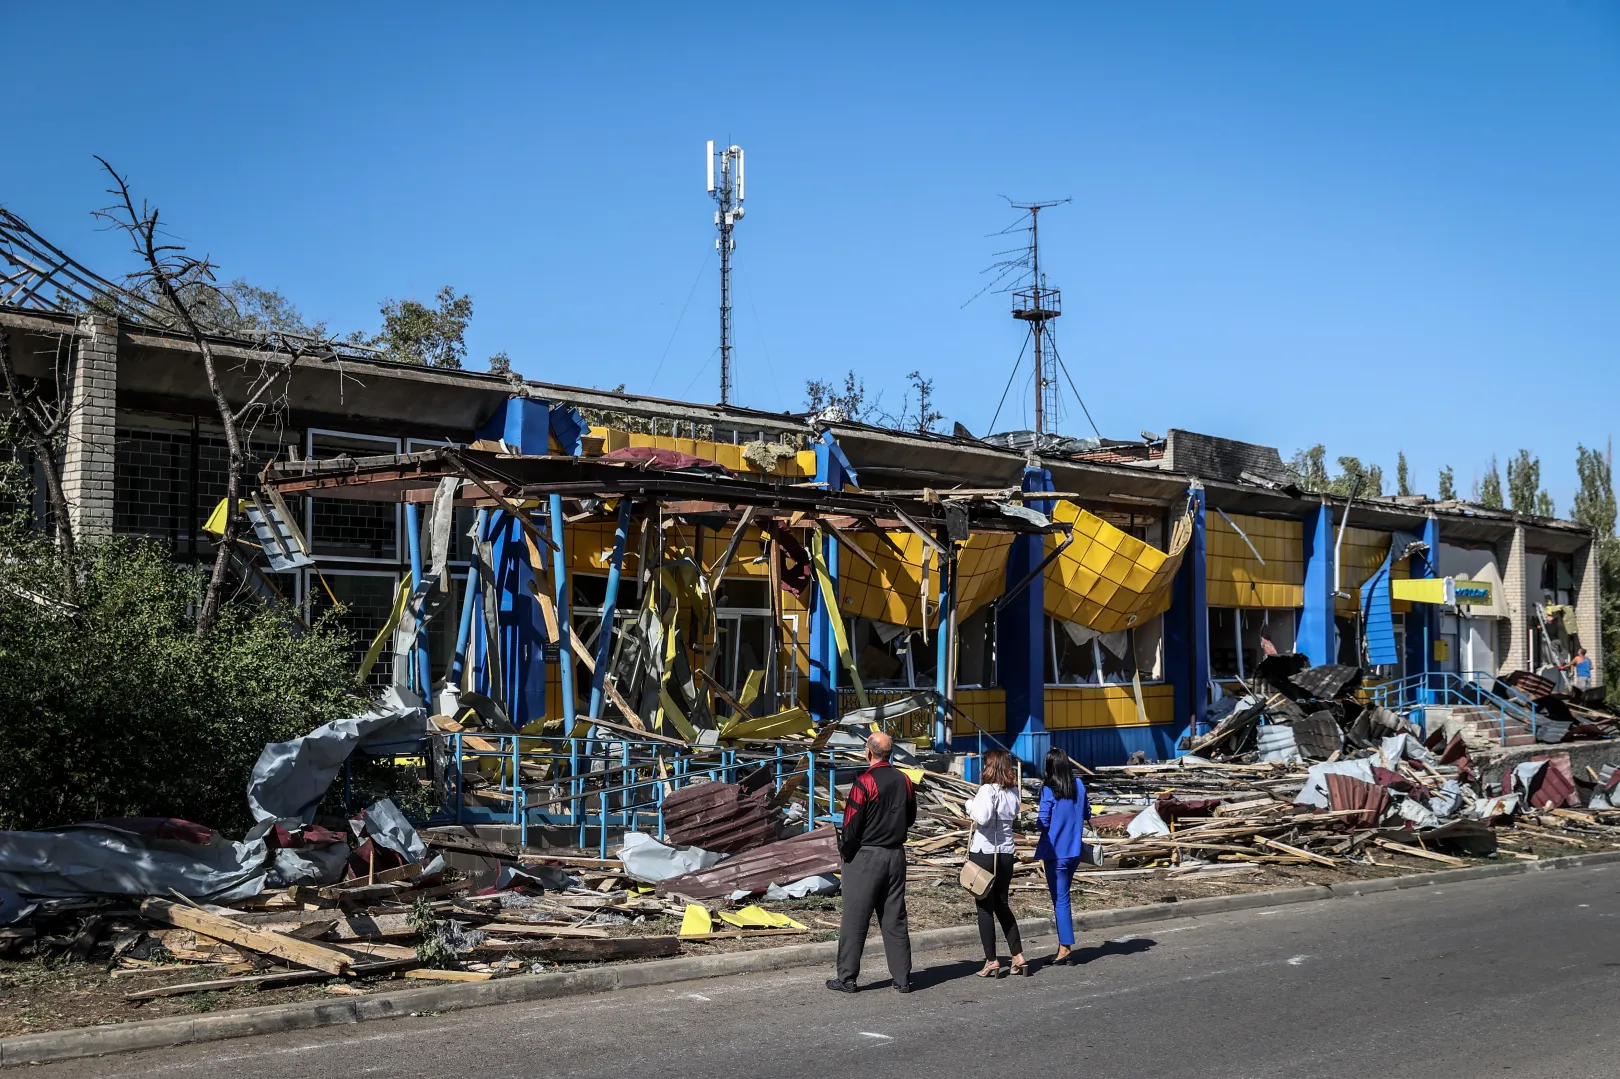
(987, 706)
(1235, 578)
(1072, 707)
(1108, 579)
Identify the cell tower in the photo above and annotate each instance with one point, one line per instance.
(1037, 304)
(726, 186)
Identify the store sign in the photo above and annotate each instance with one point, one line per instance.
(1473, 593)
(1442, 590)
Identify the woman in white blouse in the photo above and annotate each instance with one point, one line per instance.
(994, 809)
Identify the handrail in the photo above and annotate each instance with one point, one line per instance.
(600, 781)
(1466, 688)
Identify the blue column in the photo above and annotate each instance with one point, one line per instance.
(1317, 638)
(525, 425)
(1423, 620)
(565, 639)
(1021, 637)
(610, 603)
(834, 470)
(420, 668)
(1186, 629)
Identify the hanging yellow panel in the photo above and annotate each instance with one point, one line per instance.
(1364, 550)
(893, 592)
(1108, 579)
(1235, 578)
(801, 465)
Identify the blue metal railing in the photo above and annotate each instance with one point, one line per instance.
(601, 783)
(1500, 701)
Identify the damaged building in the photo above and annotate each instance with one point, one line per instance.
(1164, 572)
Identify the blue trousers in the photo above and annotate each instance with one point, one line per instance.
(1059, 877)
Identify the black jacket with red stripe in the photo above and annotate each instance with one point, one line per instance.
(881, 807)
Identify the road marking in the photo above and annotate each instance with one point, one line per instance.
(696, 996)
(1298, 960)
(1585, 905)
(871, 1034)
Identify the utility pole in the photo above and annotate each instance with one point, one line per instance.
(726, 188)
(1037, 305)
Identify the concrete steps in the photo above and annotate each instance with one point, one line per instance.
(1486, 726)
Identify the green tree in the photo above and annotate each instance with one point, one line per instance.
(1490, 491)
(1595, 508)
(500, 363)
(851, 400)
(1448, 484)
(1524, 484)
(1311, 468)
(1366, 481)
(1403, 485)
(413, 332)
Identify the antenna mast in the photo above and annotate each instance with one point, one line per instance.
(726, 188)
(1036, 304)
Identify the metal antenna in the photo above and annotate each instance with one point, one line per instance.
(726, 187)
(1037, 304)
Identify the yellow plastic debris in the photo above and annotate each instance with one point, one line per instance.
(792, 721)
(215, 525)
(913, 774)
(757, 917)
(696, 921)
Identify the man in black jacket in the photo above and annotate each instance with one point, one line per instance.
(880, 809)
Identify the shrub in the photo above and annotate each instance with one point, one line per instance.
(120, 709)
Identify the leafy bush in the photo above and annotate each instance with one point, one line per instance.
(118, 708)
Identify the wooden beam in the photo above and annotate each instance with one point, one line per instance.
(843, 537)
(304, 953)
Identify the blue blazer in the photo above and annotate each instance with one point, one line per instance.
(1062, 822)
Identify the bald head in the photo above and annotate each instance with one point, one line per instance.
(878, 747)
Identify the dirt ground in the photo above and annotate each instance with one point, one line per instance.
(54, 994)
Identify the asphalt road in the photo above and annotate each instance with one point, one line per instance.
(1512, 976)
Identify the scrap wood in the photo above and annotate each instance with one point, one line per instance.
(267, 981)
(530, 930)
(1294, 851)
(584, 951)
(303, 952)
(741, 934)
(430, 974)
(388, 876)
(512, 852)
(1418, 852)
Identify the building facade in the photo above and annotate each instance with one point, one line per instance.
(1191, 558)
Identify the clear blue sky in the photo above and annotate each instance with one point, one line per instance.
(1374, 225)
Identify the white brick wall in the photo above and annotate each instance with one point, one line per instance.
(1588, 608)
(87, 466)
(1516, 656)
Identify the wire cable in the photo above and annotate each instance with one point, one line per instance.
(1065, 369)
(1016, 365)
(670, 343)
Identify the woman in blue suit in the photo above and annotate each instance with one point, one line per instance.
(1063, 815)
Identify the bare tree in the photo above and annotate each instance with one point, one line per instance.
(38, 421)
(178, 279)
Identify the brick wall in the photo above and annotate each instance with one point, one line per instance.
(1588, 608)
(1515, 655)
(87, 467)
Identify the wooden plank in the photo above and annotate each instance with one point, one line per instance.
(529, 929)
(473, 845)
(1418, 852)
(387, 876)
(304, 953)
(1294, 851)
(737, 934)
(428, 974)
(584, 951)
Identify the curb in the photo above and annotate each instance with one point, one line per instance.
(307, 1015)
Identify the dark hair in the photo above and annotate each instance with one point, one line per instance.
(999, 768)
(1060, 775)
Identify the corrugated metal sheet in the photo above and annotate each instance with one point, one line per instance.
(807, 855)
(725, 817)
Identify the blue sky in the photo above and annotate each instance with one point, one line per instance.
(1379, 226)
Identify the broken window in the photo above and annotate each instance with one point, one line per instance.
(1240, 637)
(364, 602)
(976, 649)
(1078, 655)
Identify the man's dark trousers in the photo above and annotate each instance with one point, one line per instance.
(875, 882)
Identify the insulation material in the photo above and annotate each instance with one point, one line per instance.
(132, 856)
(1107, 579)
(649, 861)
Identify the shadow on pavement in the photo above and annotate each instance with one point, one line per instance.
(1134, 946)
(929, 977)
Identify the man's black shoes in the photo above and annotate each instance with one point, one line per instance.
(838, 986)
